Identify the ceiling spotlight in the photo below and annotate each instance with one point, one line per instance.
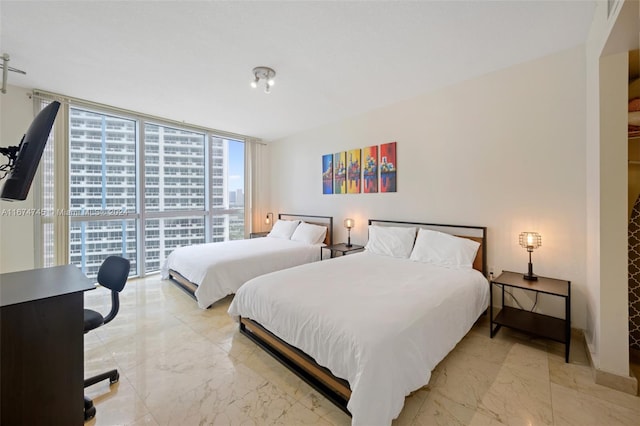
(264, 73)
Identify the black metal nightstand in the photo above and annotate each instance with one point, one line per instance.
(546, 326)
(258, 234)
(341, 248)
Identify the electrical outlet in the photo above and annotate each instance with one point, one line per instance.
(494, 272)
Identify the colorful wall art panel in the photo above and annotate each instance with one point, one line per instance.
(388, 167)
(327, 174)
(367, 170)
(339, 173)
(353, 171)
(370, 169)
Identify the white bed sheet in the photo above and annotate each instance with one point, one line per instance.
(219, 269)
(381, 323)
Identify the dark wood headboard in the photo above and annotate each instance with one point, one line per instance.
(475, 233)
(316, 220)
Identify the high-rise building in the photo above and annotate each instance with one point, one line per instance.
(174, 181)
(102, 161)
(219, 189)
(240, 197)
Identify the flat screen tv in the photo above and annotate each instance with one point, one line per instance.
(19, 179)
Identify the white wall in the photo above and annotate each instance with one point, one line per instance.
(609, 41)
(16, 232)
(614, 278)
(505, 150)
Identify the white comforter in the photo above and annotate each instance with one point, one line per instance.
(381, 323)
(219, 269)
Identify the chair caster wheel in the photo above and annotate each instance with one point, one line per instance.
(114, 379)
(89, 413)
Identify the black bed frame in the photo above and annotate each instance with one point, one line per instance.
(336, 398)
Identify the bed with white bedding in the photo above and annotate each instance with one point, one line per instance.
(212, 271)
(377, 324)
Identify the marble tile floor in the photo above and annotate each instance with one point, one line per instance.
(180, 365)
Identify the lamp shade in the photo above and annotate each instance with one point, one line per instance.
(348, 223)
(530, 240)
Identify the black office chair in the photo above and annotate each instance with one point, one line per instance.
(113, 275)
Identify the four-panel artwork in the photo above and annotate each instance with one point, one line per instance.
(367, 170)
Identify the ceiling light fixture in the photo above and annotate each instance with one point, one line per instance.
(264, 73)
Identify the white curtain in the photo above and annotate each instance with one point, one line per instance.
(52, 195)
(256, 178)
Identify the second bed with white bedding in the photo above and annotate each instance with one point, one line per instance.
(219, 269)
(379, 322)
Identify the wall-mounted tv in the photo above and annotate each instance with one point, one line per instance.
(19, 179)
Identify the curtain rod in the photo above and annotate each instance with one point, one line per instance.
(69, 100)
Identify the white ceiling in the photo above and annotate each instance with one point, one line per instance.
(192, 61)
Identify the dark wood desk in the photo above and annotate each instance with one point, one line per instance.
(41, 346)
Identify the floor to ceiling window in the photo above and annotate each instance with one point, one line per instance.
(139, 188)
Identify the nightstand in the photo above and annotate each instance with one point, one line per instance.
(546, 326)
(258, 234)
(341, 248)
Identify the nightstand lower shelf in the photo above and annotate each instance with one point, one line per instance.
(531, 322)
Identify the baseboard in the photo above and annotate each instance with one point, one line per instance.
(626, 384)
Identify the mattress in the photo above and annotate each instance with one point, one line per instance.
(381, 323)
(219, 269)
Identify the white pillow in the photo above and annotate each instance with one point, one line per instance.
(391, 241)
(309, 233)
(283, 229)
(443, 249)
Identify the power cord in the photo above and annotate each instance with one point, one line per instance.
(11, 152)
(516, 300)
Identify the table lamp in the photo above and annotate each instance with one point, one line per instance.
(530, 241)
(348, 223)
